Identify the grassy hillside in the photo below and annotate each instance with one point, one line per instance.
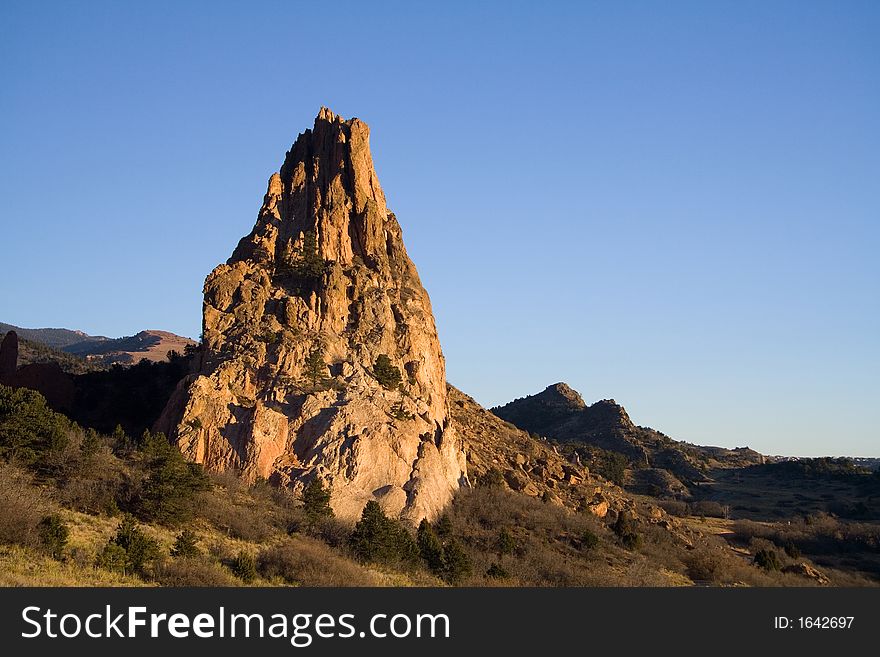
(81, 508)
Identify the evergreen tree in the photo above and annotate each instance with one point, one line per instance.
(29, 429)
(168, 494)
(91, 444)
(456, 563)
(380, 539)
(139, 548)
(316, 502)
(53, 535)
(386, 373)
(185, 545)
(430, 547)
(315, 367)
(506, 544)
(444, 527)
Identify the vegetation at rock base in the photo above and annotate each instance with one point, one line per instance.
(118, 498)
(378, 538)
(316, 503)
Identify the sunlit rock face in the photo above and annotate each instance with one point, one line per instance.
(294, 322)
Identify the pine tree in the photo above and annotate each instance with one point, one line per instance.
(386, 373)
(430, 547)
(315, 367)
(185, 545)
(53, 535)
(506, 544)
(316, 502)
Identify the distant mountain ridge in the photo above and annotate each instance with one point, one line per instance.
(658, 463)
(99, 350)
(57, 338)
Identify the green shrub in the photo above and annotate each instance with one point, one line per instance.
(767, 560)
(589, 540)
(631, 541)
(29, 429)
(316, 503)
(169, 492)
(430, 547)
(386, 374)
(112, 557)
(53, 535)
(303, 266)
(315, 368)
(137, 549)
(497, 571)
(381, 539)
(244, 566)
(186, 545)
(456, 563)
(506, 544)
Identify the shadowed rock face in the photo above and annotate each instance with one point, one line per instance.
(8, 357)
(253, 406)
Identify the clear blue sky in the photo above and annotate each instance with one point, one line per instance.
(676, 205)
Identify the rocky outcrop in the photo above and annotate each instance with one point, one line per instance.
(8, 357)
(660, 466)
(320, 354)
(500, 454)
(559, 412)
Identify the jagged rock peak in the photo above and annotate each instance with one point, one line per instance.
(564, 394)
(320, 352)
(326, 186)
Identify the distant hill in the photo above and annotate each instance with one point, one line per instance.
(656, 464)
(94, 351)
(30, 353)
(57, 338)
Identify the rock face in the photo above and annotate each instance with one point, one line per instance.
(8, 357)
(660, 465)
(306, 329)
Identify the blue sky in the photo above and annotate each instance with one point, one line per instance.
(672, 204)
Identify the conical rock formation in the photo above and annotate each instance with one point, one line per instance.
(305, 329)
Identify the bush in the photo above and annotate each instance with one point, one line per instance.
(589, 540)
(130, 550)
(386, 374)
(456, 563)
(244, 566)
(767, 560)
(192, 571)
(53, 535)
(21, 507)
(506, 544)
(303, 561)
(113, 557)
(186, 545)
(169, 492)
(304, 265)
(497, 571)
(792, 550)
(381, 539)
(29, 429)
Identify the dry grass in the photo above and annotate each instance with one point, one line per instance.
(26, 567)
